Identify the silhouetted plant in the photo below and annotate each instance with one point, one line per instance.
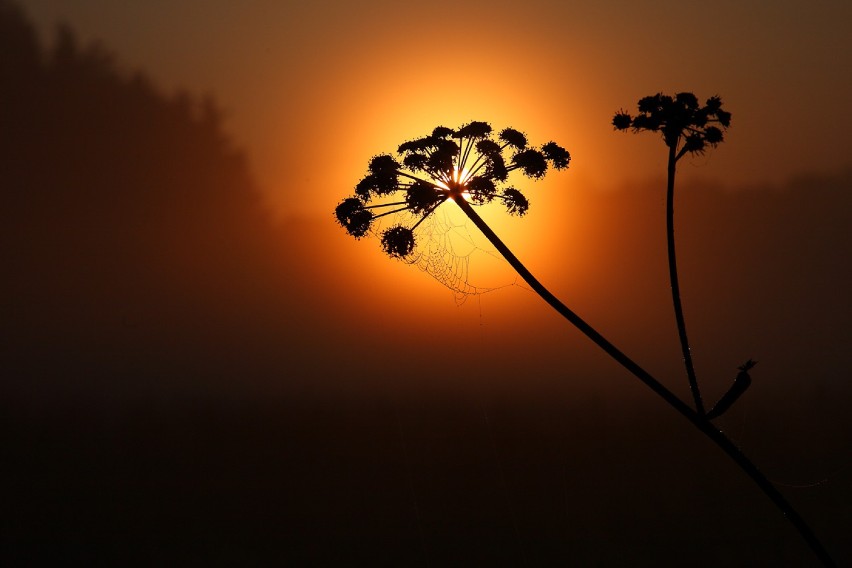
(468, 164)
(468, 167)
(686, 128)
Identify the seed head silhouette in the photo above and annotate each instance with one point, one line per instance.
(680, 120)
(469, 163)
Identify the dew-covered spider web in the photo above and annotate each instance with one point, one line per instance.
(417, 189)
(451, 250)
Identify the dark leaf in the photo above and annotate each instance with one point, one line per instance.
(741, 383)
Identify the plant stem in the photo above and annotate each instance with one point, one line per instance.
(698, 420)
(568, 314)
(678, 308)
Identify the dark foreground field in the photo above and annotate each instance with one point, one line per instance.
(380, 482)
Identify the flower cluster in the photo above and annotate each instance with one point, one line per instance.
(470, 163)
(679, 118)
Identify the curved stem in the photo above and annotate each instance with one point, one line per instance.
(572, 317)
(698, 420)
(678, 308)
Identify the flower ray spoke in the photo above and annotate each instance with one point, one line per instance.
(378, 205)
(428, 212)
(386, 213)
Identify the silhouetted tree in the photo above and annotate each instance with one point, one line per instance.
(467, 166)
(128, 216)
(686, 128)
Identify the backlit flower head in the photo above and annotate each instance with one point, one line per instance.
(684, 124)
(469, 163)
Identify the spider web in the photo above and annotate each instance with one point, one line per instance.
(449, 248)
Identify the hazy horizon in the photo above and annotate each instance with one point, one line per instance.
(294, 78)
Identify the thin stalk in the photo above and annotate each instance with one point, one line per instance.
(698, 420)
(468, 146)
(476, 166)
(415, 178)
(391, 204)
(678, 308)
(386, 213)
(428, 212)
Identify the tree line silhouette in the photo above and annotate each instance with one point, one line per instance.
(129, 218)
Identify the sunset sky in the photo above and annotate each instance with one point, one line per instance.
(177, 286)
(313, 89)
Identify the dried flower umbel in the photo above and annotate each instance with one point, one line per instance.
(686, 126)
(471, 163)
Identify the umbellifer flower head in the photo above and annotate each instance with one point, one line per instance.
(684, 124)
(470, 163)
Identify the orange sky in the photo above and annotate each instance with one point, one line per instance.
(313, 89)
(184, 372)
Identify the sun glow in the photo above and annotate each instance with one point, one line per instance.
(457, 179)
(401, 198)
